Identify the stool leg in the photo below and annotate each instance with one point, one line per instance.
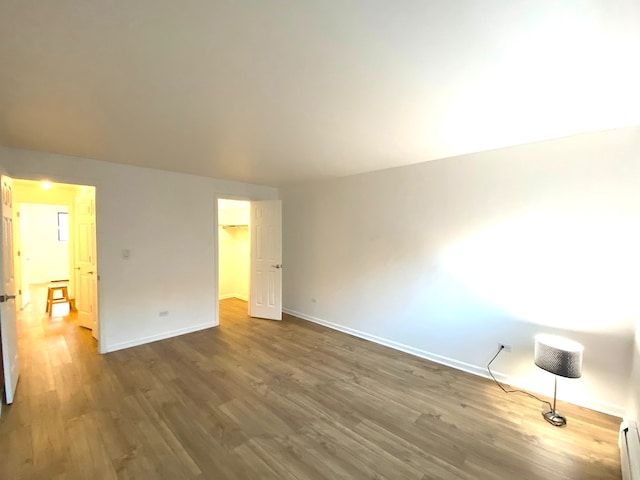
(49, 301)
(65, 296)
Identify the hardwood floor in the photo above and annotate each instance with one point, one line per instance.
(256, 399)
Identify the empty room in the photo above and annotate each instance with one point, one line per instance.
(320, 239)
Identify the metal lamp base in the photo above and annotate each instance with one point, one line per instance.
(554, 418)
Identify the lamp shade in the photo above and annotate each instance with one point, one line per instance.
(558, 355)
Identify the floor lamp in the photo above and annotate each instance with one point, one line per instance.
(562, 357)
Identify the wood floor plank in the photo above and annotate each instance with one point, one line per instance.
(366, 457)
(257, 399)
(421, 459)
(49, 454)
(16, 445)
(87, 452)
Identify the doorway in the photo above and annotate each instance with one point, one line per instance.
(233, 249)
(54, 244)
(43, 246)
(249, 241)
(75, 225)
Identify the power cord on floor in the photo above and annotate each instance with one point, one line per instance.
(511, 391)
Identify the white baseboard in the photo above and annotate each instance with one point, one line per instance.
(450, 362)
(481, 371)
(160, 336)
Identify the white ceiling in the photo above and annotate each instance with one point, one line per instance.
(274, 92)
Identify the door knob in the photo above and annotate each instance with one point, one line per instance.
(279, 265)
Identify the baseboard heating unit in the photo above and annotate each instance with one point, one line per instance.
(629, 442)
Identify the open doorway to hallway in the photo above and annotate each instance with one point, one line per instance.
(55, 251)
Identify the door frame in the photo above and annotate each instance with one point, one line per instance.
(72, 213)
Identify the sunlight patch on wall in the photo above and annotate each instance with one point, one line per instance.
(567, 271)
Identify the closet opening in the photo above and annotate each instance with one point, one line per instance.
(234, 252)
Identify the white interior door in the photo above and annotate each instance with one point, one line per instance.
(86, 266)
(265, 290)
(8, 295)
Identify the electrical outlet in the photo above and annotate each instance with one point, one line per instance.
(505, 347)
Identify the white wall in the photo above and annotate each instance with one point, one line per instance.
(46, 258)
(447, 258)
(166, 221)
(226, 256)
(234, 262)
(633, 406)
(233, 212)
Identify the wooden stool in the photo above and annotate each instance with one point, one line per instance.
(53, 300)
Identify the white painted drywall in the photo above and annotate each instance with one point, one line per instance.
(272, 91)
(226, 256)
(234, 262)
(167, 223)
(233, 212)
(46, 258)
(447, 258)
(633, 406)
